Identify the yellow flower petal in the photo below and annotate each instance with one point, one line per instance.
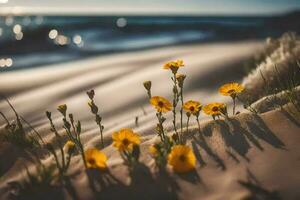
(161, 104)
(182, 159)
(193, 107)
(95, 159)
(214, 108)
(231, 89)
(125, 139)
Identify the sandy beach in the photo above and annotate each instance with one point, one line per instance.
(248, 157)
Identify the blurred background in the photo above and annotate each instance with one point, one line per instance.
(35, 33)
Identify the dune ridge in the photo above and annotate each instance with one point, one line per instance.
(242, 158)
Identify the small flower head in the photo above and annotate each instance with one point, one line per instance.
(153, 149)
(161, 104)
(125, 139)
(231, 89)
(62, 109)
(147, 85)
(214, 109)
(180, 78)
(94, 108)
(174, 65)
(48, 114)
(91, 94)
(193, 107)
(70, 147)
(182, 159)
(95, 159)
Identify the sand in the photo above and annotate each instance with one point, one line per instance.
(247, 156)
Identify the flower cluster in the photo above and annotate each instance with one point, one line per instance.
(173, 150)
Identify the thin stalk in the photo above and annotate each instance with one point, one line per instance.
(199, 128)
(181, 113)
(34, 130)
(101, 133)
(58, 140)
(82, 155)
(175, 102)
(16, 113)
(161, 127)
(56, 160)
(4, 117)
(234, 103)
(187, 124)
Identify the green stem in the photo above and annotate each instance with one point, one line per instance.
(4, 117)
(57, 162)
(34, 130)
(233, 98)
(175, 103)
(101, 133)
(68, 162)
(83, 156)
(187, 125)
(199, 128)
(58, 139)
(161, 127)
(181, 112)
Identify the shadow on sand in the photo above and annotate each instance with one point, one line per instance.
(238, 138)
(143, 185)
(256, 190)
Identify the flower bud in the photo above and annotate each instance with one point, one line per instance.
(71, 118)
(70, 147)
(175, 137)
(62, 109)
(48, 114)
(175, 91)
(91, 94)
(180, 78)
(98, 119)
(154, 149)
(94, 108)
(147, 85)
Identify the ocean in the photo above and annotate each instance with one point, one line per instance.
(36, 41)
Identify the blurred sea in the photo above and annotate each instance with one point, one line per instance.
(34, 41)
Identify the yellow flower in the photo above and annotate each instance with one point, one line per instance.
(95, 159)
(69, 146)
(161, 104)
(214, 108)
(231, 89)
(62, 109)
(125, 139)
(174, 65)
(153, 150)
(182, 159)
(180, 78)
(193, 107)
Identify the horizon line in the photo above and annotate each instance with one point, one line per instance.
(50, 11)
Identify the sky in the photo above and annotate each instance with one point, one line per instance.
(181, 7)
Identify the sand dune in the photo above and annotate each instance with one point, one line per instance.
(245, 156)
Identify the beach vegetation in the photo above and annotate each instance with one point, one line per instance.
(95, 159)
(182, 159)
(127, 143)
(232, 90)
(94, 110)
